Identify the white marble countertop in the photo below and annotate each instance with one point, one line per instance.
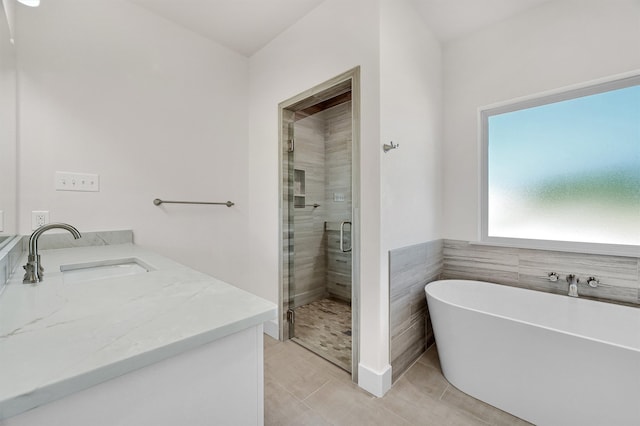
(57, 338)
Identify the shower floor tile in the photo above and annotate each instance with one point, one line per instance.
(324, 327)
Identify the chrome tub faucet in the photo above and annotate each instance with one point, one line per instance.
(573, 285)
(34, 271)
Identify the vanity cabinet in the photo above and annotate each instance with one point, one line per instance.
(164, 346)
(219, 383)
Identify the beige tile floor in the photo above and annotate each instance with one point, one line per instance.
(303, 389)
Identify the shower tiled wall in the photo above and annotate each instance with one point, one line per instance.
(338, 161)
(323, 155)
(619, 275)
(410, 269)
(338, 198)
(310, 258)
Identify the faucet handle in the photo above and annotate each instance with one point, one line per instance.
(553, 277)
(30, 276)
(593, 282)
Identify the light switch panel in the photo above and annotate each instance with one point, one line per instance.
(68, 181)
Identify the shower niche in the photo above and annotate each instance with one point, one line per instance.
(299, 192)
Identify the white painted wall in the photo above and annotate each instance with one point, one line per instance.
(333, 38)
(557, 44)
(7, 126)
(157, 111)
(411, 115)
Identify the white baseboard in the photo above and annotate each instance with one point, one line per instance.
(271, 329)
(376, 383)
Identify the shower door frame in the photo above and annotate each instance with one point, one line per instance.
(286, 112)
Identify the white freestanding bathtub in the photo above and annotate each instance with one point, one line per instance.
(548, 359)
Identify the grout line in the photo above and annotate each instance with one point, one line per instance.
(398, 415)
(317, 390)
(461, 409)
(286, 390)
(444, 391)
(411, 365)
(311, 409)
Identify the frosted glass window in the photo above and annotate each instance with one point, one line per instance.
(566, 170)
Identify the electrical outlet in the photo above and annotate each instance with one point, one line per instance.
(86, 182)
(39, 218)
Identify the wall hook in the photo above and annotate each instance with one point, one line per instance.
(389, 146)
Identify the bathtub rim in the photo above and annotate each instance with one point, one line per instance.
(529, 323)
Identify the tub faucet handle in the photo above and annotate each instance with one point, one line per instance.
(553, 277)
(593, 282)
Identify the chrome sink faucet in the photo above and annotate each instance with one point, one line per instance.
(34, 271)
(573, 285)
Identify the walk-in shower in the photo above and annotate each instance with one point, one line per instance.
(319, 236)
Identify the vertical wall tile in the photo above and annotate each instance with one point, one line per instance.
(287, 229)
(619, 275)
(410, 269)
(638, 299)
(338, 148)
(323, 156)
(478, 262)
(309, 257)
(338, 140)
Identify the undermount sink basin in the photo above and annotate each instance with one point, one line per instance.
(102, 269)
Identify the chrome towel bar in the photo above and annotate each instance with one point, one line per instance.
(158, 201)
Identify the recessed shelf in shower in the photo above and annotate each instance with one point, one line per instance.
(299, 188)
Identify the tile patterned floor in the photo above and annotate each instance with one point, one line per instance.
(304, 389)
(324, 326)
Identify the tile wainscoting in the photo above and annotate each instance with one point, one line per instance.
(619, 276)
(412, 267)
